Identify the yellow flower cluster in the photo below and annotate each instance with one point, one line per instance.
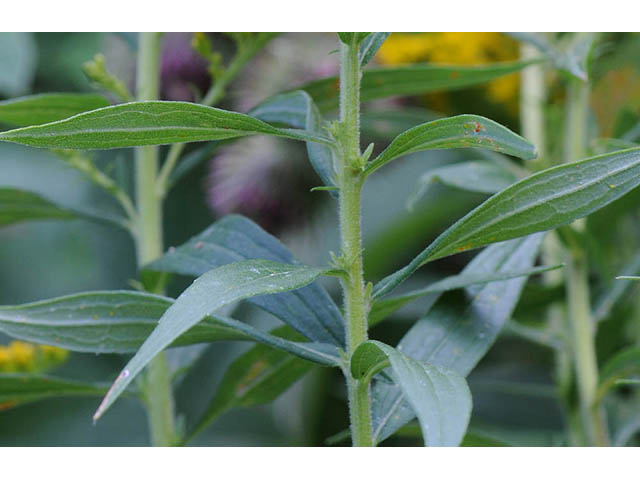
(457, 48)
(26, 357)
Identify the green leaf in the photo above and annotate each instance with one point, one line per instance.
(19, 388)
(409, 80)
(384, 307)
(455, 132)
(298, 110)
(440, 398)
(544, 201)
(47, 107)
(18, 62)
(256, 377)
(213, 290)
(481, 177)
(310, 310)
(371, 45)
(120, 322)
(618, 367)
(21, 206)
(458, 330)
(147, 123)
(353, 37)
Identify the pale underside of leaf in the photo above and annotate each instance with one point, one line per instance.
(457, 332)
(310, 310)
(215, 289)
(440, 398)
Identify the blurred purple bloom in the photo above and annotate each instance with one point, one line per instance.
(183, 70)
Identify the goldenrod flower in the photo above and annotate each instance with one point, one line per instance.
(26, 357)
(456, 48)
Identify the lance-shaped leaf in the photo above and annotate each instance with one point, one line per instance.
(298, 110)
(310, 310)
(384, 307)
(481, 177)
(213, 290)
(370, 46)
(439, 397)
(47, 107)
(147, 123)
(19, 388)
(409, 80)
(623, 364)
(20, 206)
(120, 322)
(457, 332)
(455, 132)
(546, 200)
(256, 377)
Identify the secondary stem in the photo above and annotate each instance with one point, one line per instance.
(157, 386)
(582, 327)
(351, 180)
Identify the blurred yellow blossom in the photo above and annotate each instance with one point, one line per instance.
(457, 48)
(26, 357)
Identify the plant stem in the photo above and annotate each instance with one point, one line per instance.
(351, 180)
(533, 92)
(157, 386)
(581, 326)
(533, 96)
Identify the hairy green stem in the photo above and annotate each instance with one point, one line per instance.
(581, 327)
(157, 386)
(351, 180)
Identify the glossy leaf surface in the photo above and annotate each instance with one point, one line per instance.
(440, 398)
